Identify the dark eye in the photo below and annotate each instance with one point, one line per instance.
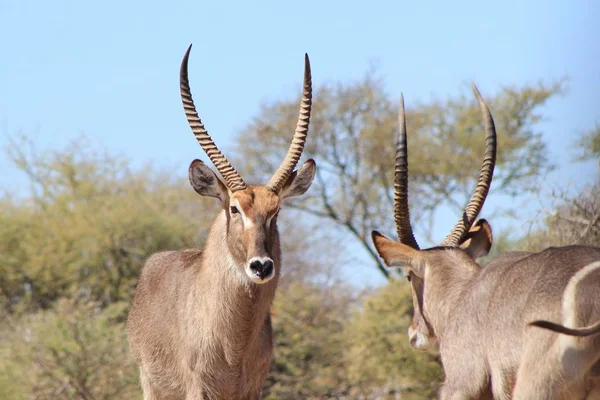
(233, 210)
(408, 276)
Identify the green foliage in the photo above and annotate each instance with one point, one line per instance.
(381, 364)
(575, 220)
(327, 347)
(75, 350)
(308, 326)
(589, 143)
(88, 225)
(575, 217)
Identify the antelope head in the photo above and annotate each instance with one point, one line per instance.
(466, 242)
(251, 210)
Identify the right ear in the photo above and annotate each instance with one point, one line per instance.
(300, 180)
(206, 183)
(478, 240)
(396, 254)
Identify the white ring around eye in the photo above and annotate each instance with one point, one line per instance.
(247, 221)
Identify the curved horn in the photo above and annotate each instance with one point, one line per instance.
(232, 177)
(295, 150)
(401, 214)
(485, 178)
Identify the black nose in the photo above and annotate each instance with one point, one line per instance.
(262, 268)
(413, 341)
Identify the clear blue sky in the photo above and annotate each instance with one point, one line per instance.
(110, 69)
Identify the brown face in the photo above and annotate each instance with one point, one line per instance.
(252, 235)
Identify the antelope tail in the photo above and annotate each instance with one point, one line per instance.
(579, 332)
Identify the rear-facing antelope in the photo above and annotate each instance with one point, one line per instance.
(199, 325)
(482, 317)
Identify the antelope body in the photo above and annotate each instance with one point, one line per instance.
(487, 320)
(199, 325)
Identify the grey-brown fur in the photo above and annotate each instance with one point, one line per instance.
(483, 333)
(480, 317)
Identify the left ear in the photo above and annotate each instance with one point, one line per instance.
(478, 241)
(396, 254)
(206, 183)
(299, 181)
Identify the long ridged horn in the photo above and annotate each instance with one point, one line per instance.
(401, 214)
(232, 177)
(297, 146)
(485, 178)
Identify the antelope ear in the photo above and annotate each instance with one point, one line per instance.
(206, 183)
(300, 180)
(478, 240)
(396, 254)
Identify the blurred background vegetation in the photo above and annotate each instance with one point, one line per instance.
(72, 246)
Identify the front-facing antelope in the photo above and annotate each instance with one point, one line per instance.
(482, 317)
(199, 325)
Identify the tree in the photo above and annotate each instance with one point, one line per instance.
(88, 224)
(352, 138)
(589, 144)
(309, 328)
(574, 218)
(380, 362)
(74, 350)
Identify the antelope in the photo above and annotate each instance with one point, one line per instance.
(199, 326)
(487, 321)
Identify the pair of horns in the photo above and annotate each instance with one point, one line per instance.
(401, 214)
(232, 178)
